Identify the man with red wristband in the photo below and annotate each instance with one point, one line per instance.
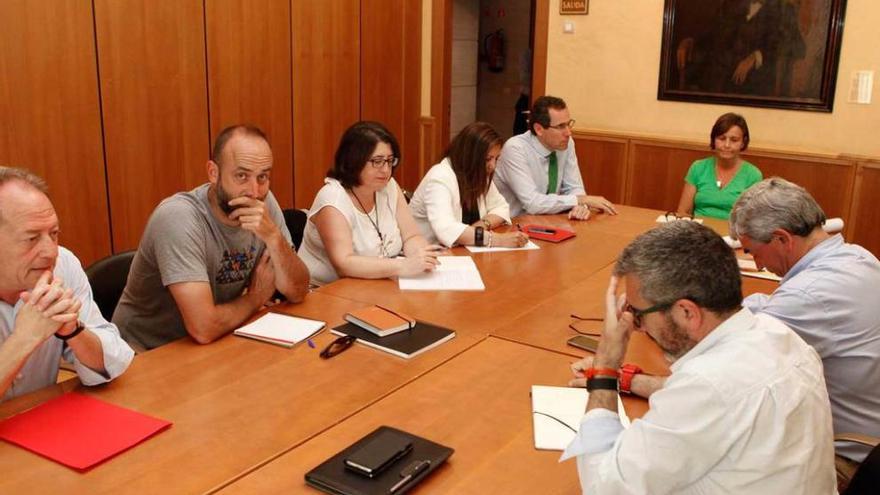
(745, 402)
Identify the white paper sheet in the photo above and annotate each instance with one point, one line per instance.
(453, 273)
(481, 249)
(568, 405)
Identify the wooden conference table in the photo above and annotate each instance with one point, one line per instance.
(253, 418)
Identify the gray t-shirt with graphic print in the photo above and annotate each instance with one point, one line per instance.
(184, 242)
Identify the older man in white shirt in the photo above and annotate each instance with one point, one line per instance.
(46, 306)
(827, 295)
(745, 409)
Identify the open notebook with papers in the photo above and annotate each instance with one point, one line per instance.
(553, 406)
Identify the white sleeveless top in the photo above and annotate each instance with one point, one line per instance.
(365, 239)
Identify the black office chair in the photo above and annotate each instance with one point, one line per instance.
(867, 476)
(296, 224)
(108, 277)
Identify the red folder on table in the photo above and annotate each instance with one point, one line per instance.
(545, 233)
(79, 431)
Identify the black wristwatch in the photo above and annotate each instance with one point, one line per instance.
(478, 236)
(79, 328)
(601, 383)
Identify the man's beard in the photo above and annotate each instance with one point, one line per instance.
(223, 199)
(675, 340)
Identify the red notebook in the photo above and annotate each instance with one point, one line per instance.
(545, 233)
(79, 431)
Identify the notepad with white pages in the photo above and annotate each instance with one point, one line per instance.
(453, 273)
(279, 329)
(485, 249)
(550, 405)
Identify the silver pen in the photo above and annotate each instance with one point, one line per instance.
(409, 476)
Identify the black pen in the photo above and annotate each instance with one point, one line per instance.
(412, 474)
(542, 231)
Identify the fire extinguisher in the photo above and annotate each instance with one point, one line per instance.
(493, 47)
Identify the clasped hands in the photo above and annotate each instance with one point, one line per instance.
(48, 308)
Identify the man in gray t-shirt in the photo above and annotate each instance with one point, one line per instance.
(211, 257)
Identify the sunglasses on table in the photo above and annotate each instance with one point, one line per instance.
(337, 346)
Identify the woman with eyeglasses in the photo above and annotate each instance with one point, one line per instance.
(457, 203)
(359, 222)
(712, 185)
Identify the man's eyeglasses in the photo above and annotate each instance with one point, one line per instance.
(337, 346)
(639, 313)
(671, 216)
(563, 126)
(378, 161)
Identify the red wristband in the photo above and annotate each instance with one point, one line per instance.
(627, 372)
(593, 372)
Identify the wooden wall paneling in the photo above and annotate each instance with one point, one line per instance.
(441, 68)
(603, 165)
(50, 118)
(153, 86)
(829, 180)
(390, 73)
(326, 87)
(249, 77)
(656, 172)
(383, 63)
(539, 50)
(412, 96)
(864, 215)
(428, 148)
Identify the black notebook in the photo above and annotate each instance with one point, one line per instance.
(405, 344)
(404, 472)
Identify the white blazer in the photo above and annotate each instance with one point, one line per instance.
(436, 205)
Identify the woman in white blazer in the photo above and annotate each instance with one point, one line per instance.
(457, 203)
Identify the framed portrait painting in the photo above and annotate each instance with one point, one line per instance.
(762, 53)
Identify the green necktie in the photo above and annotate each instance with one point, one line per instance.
(552, 174)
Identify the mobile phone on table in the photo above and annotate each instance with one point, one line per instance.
(584, 342)
(382, 451)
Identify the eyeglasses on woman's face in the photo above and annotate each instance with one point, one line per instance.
(380, 161)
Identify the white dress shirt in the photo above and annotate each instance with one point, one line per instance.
(41, 368)
(522, 177)
(436, 205)
(744, 411)
(829, 298)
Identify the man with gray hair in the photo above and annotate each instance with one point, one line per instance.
(46, 306)
(828, 295)
(745, 409)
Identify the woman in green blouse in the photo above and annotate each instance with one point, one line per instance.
(713, 184)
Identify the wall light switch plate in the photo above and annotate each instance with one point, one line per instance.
(568, 27)
(861, 87)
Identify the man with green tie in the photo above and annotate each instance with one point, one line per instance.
(538, 170)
